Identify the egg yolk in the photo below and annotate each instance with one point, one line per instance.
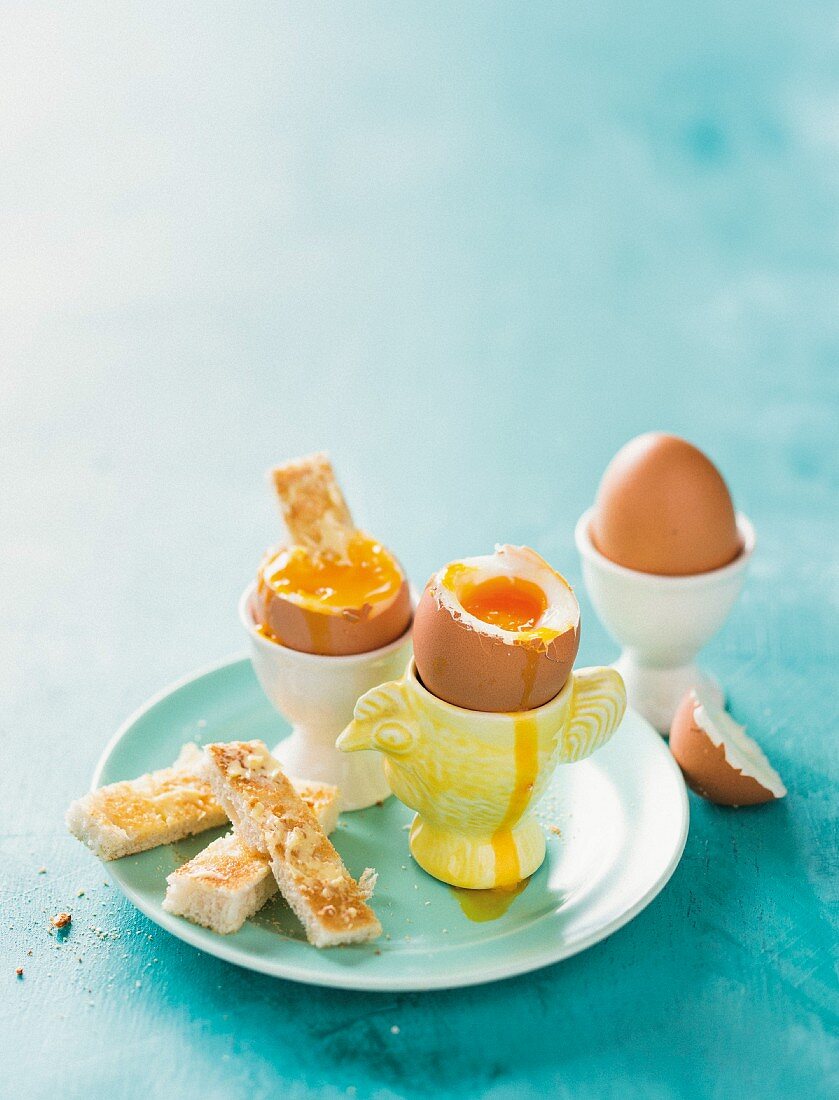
(506, 602)
(368, 575)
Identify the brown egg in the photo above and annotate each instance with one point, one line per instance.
(717, 759)
(319, 603)
(498, 632)
(663, 507)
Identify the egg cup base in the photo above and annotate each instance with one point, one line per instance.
(360, 778)
(656, 692)
(471, 861)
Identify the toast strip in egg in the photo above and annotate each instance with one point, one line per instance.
(270, 817)
(162, 807)
(313, 506)
(227, 883)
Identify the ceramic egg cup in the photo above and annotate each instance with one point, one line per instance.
(473, 776)
(662, 623)
(317, 695)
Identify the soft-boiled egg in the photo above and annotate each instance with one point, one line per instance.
(498, 632)
(663, 507)
(719, 761)
(329, 604)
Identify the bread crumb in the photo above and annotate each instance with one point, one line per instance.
(367, 881)
(555, 829)
(19, 971)
(42, 870)
(60, 920)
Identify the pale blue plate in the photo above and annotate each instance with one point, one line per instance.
(616, 823)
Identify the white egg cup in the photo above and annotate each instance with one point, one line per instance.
(661, 622)
(317, 695)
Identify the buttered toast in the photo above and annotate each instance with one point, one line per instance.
(165, 806)
(220, 887)
(158, 808)
(270, 817)
(227, 883)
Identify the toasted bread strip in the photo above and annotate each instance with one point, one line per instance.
(163, 806)
(323, 799)
(158, 808)
(220, 887)
(227, 883)
(313, 506)
(269, 816)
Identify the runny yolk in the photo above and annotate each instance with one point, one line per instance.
(506, 602)
(486, 905)
(368, 575)
(527, 768)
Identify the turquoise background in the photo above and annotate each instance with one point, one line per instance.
(471, 249)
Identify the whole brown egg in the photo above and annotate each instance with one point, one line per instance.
(663, 507)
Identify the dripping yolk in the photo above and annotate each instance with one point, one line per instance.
(506, 602)
(368, 575)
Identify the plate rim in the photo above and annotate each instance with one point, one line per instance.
(423, 982)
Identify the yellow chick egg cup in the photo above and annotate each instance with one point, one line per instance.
(473, 776)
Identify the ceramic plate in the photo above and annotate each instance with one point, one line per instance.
(611, 849)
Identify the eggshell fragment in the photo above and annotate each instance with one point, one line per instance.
(479, 666)
(717, 759)
(663, 507)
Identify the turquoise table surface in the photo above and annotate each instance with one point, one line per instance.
(471, 249)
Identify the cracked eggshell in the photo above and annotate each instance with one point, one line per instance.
(309, 627)
(479, 666)
(718, 760)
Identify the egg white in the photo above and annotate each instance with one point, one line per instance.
(561, 614)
